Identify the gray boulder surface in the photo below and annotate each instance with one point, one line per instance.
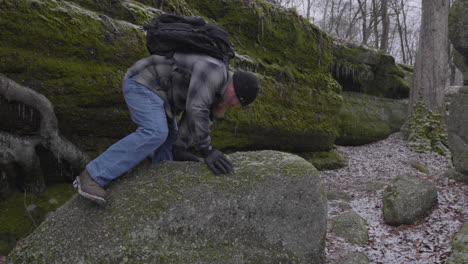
(351, 226)
(408, 199)
(273, 209)
(355, 258)
(460, 246)
(457, 124)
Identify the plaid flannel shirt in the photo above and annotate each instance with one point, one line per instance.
(208, 81)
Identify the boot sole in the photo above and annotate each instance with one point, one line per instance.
(94, 198)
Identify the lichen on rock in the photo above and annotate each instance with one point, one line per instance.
(272, 209)
(425, 131)
(407, 200)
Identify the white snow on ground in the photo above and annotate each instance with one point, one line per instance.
(378, 164)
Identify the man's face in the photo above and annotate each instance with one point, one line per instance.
(229, 99)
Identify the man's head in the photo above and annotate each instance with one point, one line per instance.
(246, 86)
(242, 90)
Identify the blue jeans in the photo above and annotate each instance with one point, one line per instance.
(152, 136)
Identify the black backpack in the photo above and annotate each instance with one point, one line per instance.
(167, 34)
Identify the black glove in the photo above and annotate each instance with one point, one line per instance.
(218, 162)
(181, 154)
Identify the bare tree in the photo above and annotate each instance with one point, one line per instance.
(430, 73)
(385, 25)
(364, 28)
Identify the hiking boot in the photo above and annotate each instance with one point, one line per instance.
(89, 188)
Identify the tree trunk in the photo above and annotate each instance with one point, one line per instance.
(409, 54)
(385, 25)
(363, 9)
(375, 19)
(430, 71)
(397, 11)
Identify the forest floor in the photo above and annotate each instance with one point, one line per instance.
(371, 168)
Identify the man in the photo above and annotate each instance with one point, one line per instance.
(157, 90)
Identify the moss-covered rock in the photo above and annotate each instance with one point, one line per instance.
(355, 258)
(351, 226)
(271, 210)
(457, 126)
(76, 52)
(407, 200)
(364, 119)
(425, 131)
(458, 35)
(73, 56)
(298, 101)
(16, 221)
(338, 195)
(370, 71)
(418, 166)
(325, 160)
(459, 245)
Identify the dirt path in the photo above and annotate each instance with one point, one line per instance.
(371, 168)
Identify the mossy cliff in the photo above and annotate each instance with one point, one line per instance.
(273, 209)
(363, 69)
(76, 58)
(76, 53)
(364, 118)
(297, 105)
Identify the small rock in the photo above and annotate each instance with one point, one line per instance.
(344, 206)
(408, 199)
(31, 207)
(338, 195)
(355, 258)
(460, 246)
(351, 226)
(53, 201)
(420, 167)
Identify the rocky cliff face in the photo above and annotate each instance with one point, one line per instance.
(367, 70)
(76, 53)
(271, 210)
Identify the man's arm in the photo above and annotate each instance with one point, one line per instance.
(207, 79)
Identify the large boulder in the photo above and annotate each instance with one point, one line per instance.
(359, 68)
(364, 118)
(458, 34)
(458, 103)
(351, 226)
(457, 124)
(408, 199)
(273, 209)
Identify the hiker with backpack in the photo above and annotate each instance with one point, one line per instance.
(186, 83)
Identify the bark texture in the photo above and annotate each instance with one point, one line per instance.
(431, 67)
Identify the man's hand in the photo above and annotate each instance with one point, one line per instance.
(218, 162)
(181, 154)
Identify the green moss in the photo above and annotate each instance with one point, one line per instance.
(425, 131)
(75, 58)
(16, 222)
(284, 118)
(420, 167)
(369, 71)
(271, 35)
(364, 119)
(329, 160)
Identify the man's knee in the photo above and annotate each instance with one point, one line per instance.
(155, 135)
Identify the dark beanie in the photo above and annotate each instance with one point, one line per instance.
(246, 85)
